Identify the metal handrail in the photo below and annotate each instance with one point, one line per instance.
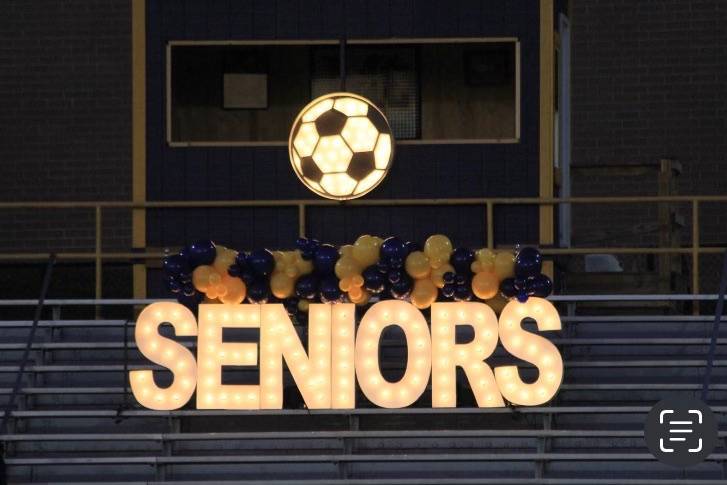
(555, 298)
(715, 329)
(112, 413)
(98, 255)
(28, 344)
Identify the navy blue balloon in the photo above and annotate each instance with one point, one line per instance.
(261, 261)
(462, 259)
(241, 259)
(307, 247)
(396, 263)
(330, 292)
(522, 296)
(449, 277)
(462, 293)
(247, 276)
(540, 286)
(393, 248)
(373, 279)
(291, 305)
(190, 301)
(382, 267)
(460, 279)
(395, 276)
(175, 265)
(507, 287)
(188, 289)
(448, 290)
(528, 262)
(258, 291)
(325, 259)
(306, 287)
(520, 284)
(402, 288)
(174, 286)
(202, 252)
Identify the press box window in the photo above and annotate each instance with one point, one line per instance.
(237, 93)
(387, 75)
(430, 92)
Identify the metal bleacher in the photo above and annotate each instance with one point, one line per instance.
(76, 422)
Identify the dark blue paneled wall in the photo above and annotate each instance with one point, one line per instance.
(264, 172)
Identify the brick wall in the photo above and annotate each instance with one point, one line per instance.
(65, 119)
(650, 81)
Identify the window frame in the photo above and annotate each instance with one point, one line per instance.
(337, 42)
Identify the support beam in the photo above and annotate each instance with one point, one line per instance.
(546, 125)
(138, 139)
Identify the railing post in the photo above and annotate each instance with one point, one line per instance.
(98, 266)
(695, 254)
(348, 447)
(16, 389)
(490, 225)
(715, 328)
(97, 255)
(301, 220)
(543, 446)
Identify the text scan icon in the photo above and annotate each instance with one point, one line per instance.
(681, 431)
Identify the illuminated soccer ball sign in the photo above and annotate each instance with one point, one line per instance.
(341, 146)
(340, 355)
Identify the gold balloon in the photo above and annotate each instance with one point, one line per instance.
(357, 280)
(362, 299)
(417, 265)
(438, 274)
(438, 243)
(236, 290)
(505, 265)
(485, 285)
(289, 257)
(355, 292)
(214, 278)
(346, 251)
(286, 263)
(486, 258)
(279, 257)
(344, 284)
(201, 277)
(291, 271)
(438, 249)
(281, 285)
(221, 290)
(347, 267)
(304, 266)
(366, 250)
(424, 293)
(225, 257)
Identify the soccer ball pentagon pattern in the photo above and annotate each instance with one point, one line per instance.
(341, 146)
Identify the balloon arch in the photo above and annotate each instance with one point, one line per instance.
(370, 269)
